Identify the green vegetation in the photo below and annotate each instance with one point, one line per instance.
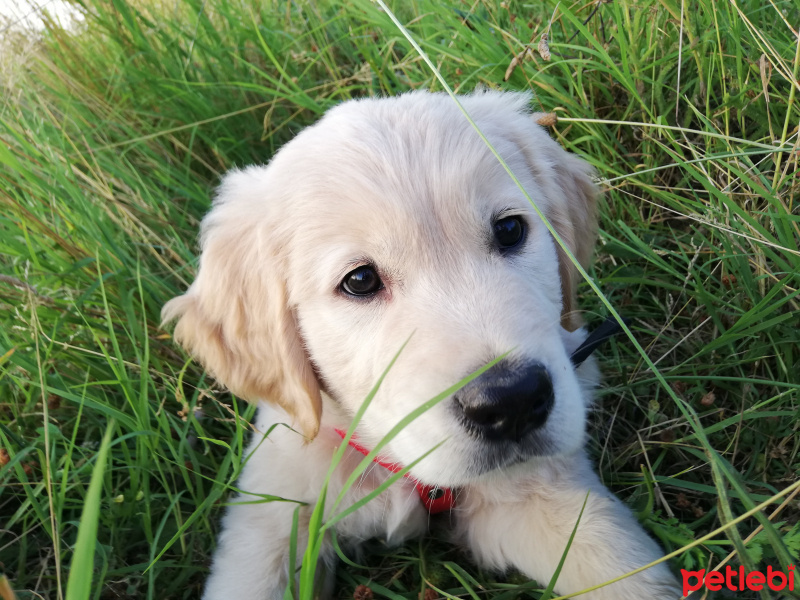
(114, 136)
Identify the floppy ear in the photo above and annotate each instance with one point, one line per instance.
(572, 212)
(575, 220)
(235, 317)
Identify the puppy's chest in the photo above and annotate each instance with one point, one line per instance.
(285, 465)
(395, 515)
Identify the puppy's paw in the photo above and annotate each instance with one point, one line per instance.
(656, 583)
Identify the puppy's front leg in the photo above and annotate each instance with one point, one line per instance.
(252, 557)
(524, 520)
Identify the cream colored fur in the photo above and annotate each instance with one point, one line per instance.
(407, 185)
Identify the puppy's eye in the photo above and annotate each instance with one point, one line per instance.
(363, 281)
(509, 232)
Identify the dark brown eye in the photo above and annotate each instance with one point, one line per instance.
(363, 281)
(509, 232)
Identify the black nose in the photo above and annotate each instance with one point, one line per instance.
(507, 402)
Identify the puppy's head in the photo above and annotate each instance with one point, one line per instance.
(389, 218)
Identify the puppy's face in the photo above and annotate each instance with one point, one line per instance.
(391, 221)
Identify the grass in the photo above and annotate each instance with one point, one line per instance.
(114, 136)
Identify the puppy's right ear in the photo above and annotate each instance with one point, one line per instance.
(573, 212)
(575, 219)
(235, 317)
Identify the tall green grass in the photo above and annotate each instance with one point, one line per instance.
(114, 135)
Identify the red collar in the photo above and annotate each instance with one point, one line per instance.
(435, 499)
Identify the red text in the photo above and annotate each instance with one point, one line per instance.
(736, 580)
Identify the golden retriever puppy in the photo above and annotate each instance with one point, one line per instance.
(389, 221)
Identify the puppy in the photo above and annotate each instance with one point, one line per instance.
(391, 221)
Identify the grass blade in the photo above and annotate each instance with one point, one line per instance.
(79, 583)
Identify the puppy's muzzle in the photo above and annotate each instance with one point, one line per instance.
(507, 402)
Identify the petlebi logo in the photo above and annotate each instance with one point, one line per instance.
(736, 580)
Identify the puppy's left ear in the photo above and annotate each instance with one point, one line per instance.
(572, 211)
(235, 318)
